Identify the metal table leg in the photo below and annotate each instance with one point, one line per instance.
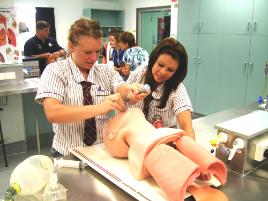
(3, 142)
(37, 131)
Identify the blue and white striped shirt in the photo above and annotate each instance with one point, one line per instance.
(61, 80)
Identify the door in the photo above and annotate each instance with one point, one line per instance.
(208, 69)
(238, 16)
(189, 41)
(256, 81)
(260, 15)
(188, 16)
(234, 68)
(195, 16)
(211, 16)
(152, 28)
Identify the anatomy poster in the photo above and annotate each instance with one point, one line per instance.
(8, 35)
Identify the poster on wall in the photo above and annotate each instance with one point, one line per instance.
(8, 35)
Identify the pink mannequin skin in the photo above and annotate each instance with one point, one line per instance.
(128, 134)
(122, 130)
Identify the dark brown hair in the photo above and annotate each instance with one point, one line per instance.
(42, 25)
(176, 50)
(127, 37)
(115, 32)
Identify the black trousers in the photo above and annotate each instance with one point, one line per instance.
(54, 153)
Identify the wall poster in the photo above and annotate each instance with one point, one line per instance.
(8, 36)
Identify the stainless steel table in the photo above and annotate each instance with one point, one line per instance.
(26, 86)
(238, 188)
(87, 184)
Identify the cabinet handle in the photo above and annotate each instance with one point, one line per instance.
(251, 65)
(248, 25)
(194, 59)
(254, 25)
(198, 60)
(200, 26)
(196, 27)
(245, 64)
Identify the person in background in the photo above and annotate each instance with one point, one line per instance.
(42, 46)
(117, 55)
(107, 50)
(166, 70)
(134, 56)
(61, 89)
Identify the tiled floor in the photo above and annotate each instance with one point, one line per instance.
(13, 161)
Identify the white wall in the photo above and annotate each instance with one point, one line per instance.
(66, 12)
(130, 7)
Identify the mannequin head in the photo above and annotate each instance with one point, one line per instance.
(122, 129)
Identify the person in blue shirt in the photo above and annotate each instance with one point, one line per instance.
(43, 47)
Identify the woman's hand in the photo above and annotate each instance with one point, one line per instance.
(112, 102)
(56, 55)
(135, 94)
(118, 69)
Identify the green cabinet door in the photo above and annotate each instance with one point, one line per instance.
(30, 107)
(211, 16)
(146, 31)
(189, 41)
(150, 28)
(208, 69)
(233, 73)
(258, 58)
(196, 16)
(260, 16)
(188, 16)
(238, 16)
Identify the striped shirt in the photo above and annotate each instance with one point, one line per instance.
(177, 102)
(61, 80)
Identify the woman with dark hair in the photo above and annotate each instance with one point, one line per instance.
(169, 100)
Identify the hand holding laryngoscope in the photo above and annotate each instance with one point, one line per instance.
(143, 89)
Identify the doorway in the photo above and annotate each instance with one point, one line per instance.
(153, 25)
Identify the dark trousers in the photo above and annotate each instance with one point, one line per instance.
(54, 153)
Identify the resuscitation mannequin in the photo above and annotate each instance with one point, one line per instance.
(129, 134)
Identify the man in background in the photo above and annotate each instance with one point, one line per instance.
(41, 46)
